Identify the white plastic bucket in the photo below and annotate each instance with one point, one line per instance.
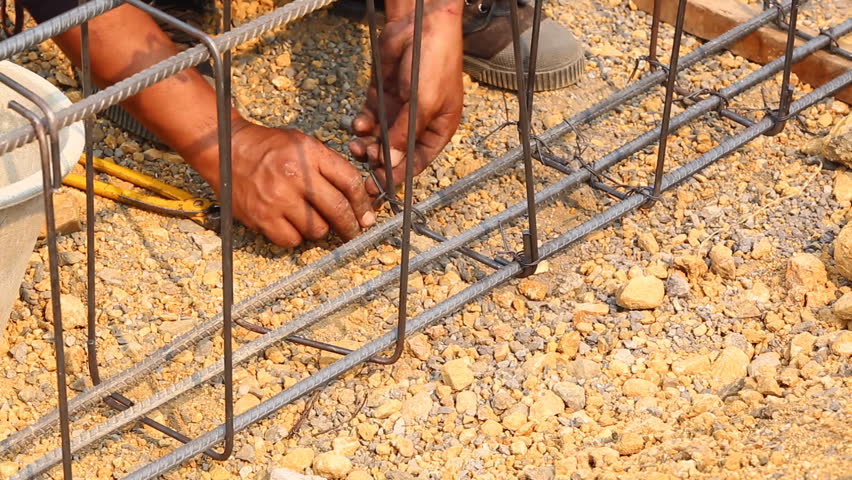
(21, 203)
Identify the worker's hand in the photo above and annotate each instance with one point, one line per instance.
(290, 187)
(440, 97)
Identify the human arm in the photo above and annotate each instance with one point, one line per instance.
(286, 184)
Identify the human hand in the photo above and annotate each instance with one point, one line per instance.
(290, 187)
(440, 96)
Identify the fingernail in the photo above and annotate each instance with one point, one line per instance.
(396, 157)
(368, 219)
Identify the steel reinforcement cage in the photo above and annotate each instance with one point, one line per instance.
(44, 125)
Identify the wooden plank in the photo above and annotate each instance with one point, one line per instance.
(708, 19)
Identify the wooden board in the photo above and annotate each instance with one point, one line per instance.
(708, 19)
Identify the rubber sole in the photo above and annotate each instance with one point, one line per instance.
(553, 79)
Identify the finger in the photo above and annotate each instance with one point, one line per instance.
(358, 146)
(398, 132)
(345, 180)
(280, 232)
(365, 122)
(307, 220)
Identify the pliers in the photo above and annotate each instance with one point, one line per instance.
(171, 200)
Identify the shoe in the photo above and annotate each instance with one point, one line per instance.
(489, 54)
(488, 49)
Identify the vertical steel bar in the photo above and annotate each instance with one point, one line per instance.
(533, 60)
(91, 339)
(408, 195)
(381, 105)
(223, 110)
(221, 68)
(655, 34)
(524, 133)
(48, 157)
(786, 96)
(667, 106)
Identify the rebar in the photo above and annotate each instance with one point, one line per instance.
(135, 373)
(515, 211)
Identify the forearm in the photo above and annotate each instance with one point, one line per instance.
(180, 110)
(396, 9)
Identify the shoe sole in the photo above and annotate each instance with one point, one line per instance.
(553, 79)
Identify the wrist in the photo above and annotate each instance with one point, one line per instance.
(205, 161)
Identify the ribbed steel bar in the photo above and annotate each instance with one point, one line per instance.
(134, 374)
(525, 132)
(786, 96)
(49, 156)
(454, 303)
(707, 105)
(49, 29)
(669, 97)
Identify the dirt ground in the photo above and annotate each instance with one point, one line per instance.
(699, 338)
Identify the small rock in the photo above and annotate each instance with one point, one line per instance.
(765, 363)
(177, 327)
(515, 417)
(630, 443)
(532, 289)
(842, 343)
(71, 258)
(837, 145)
(404, 446)
(694, 364)
(648, 242)
(345, 445)
(246, 453)
(219, 473)
(207, 243)
(767, 385)
(572, 394)
(677, 285)
(457, 374)
(310, 84)
(283, 60)
(387, 409)
(298, 459)
(693, 265)
(359, 475)
(466, 402)
(842, 185)
(68, 212)
(547, 405)
(843, 307)
(584, 368)
(332, 465)
(843, 251)
(285, 474)
(417, 407)
(538, 473)
(801, 344)
(419, 346)
(569, 343)
(74, 311)
(7, 469)
(641, 293)
(807, 281)
(245, 403)
(731, 365)
(722, 261)
(638, 387)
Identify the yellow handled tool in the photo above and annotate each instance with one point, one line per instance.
(172, 200)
